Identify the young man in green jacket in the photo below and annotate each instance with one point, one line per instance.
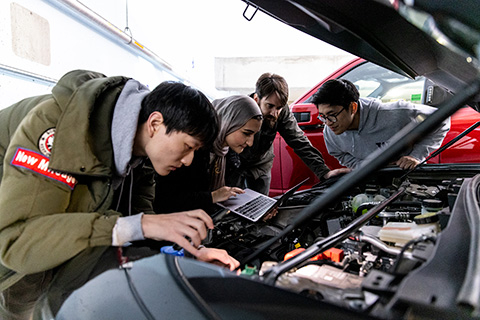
(76, 181)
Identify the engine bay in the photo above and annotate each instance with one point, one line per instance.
(365, 268)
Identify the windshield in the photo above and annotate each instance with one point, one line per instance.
(377, 82)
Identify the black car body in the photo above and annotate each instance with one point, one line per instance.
(349, 247)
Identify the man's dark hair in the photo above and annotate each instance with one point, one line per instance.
(336, 92)
(184, 109)
(269, 83)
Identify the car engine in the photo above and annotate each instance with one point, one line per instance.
(364, 269)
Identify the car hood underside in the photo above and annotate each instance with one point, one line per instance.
(376, 31)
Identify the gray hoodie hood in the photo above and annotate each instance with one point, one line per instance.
(124, 123)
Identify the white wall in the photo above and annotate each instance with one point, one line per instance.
(37, 38)
(301, 72)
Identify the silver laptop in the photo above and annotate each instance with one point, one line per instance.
(253, 205)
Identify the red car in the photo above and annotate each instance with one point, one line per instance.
(372, 81)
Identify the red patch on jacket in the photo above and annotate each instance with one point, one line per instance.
(38, 163)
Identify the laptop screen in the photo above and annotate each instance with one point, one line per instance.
(253, 205)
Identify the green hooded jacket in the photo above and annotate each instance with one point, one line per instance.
(55, 200)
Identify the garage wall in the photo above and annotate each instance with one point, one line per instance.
(239, 74)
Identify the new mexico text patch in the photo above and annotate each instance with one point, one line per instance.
(37, 162)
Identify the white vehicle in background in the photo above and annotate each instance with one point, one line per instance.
(42, 40)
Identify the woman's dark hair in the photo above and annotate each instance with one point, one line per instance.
(184, 109)
(336, 92)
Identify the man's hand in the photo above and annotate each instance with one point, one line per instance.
(336, 172)
(187, 229)
(224, 193)
(407, 162)
(217, 256)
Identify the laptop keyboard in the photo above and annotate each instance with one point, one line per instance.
(255, 207)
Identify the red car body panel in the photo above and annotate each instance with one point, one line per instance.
(288, 169)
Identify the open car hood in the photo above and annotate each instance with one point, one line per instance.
(389, 34)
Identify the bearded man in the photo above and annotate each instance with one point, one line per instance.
(252, 168)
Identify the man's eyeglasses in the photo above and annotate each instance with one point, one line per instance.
(332, 117)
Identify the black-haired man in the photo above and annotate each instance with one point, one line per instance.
(77, 182)
(356, 127)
